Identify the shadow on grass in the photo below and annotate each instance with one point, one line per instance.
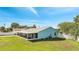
(50, 39)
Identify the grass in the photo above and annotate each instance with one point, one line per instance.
(16, 43)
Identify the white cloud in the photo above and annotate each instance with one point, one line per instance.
(33, 10)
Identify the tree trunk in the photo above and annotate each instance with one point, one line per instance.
(76, 31)
(76, 37)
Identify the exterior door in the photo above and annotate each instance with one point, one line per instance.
(30, 36)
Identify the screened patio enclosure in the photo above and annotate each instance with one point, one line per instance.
(29, 35)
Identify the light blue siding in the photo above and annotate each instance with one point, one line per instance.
(47, 32)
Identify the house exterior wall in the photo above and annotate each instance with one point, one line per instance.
(78, 38)
(47, 32)
(67, 36)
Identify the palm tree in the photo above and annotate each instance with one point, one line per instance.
(76, 20)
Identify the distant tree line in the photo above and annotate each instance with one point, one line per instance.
(71, 28)
(14, 26)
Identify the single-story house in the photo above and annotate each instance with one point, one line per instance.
(39, 33)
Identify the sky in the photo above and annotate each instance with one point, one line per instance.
(41, 16)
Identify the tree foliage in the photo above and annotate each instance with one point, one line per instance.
(76, 20)
(66, 27)
(34, 26)
(15, 25)
(2, 29)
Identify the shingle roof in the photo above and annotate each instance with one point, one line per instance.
(34, 30)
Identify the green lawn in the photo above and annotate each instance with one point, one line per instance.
(16, 43)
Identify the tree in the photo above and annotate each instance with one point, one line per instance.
(2, 29)
(76, 20)
(34, 26)
(66, 27)
(8, 29)
(15, 25)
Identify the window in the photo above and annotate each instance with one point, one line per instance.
(36, 35)
(55, 33)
